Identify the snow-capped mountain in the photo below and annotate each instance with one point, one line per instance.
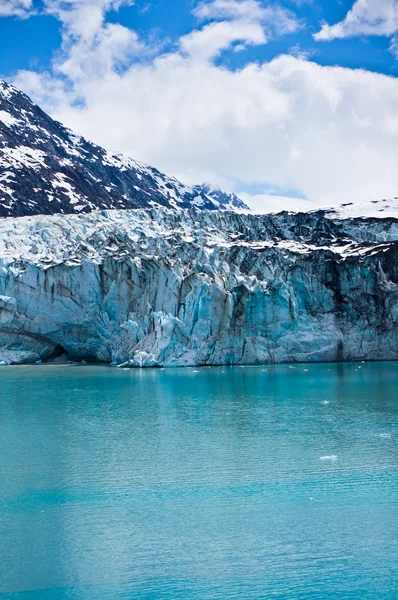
(45, 169)
(221, 198)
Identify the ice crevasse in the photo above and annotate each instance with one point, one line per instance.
(157, 287)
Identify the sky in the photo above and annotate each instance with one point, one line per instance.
(290, 104)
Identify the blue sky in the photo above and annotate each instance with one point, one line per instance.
(31, 42)
(274, 100)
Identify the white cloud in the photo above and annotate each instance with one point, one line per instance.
(250, 10)
(208, 42)
(82, 18)
(246, 21)
(266, 203)
(89, 43)
(300, 52)
(289, 124)
(366, 17)
(276, 19)
(15, 8)
(394, 46)
(112, 45)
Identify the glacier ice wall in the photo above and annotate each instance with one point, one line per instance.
(160, 288)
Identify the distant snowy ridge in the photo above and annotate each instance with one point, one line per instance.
(47, 169)
(160, 287)
(377, 209)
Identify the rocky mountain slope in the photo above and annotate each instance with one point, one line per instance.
(47, 169)
(165, 288)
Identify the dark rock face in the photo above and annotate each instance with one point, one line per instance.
(47, 169)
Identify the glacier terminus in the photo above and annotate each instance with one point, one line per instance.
(159, 287)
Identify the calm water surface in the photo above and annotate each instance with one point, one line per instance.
(249, 483)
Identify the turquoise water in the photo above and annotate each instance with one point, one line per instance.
(199, 484)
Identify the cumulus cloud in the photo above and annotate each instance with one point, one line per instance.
(366, 17)
(275, 19)
(82, 18)
(329, 133)
(245, 21)
(15, 8)
(111, 46)
(89, 44)
(208, 42)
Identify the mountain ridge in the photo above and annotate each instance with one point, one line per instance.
(45, 168)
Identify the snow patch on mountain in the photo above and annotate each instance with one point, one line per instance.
(8, 119)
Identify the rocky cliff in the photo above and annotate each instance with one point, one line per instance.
(45, 169)
(167, 288)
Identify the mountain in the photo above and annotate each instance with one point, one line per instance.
(156, 287)
(220, 198)
(46, 169)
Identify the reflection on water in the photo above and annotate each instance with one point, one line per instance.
(199, 484)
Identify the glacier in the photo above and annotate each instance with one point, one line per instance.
(164, 288)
